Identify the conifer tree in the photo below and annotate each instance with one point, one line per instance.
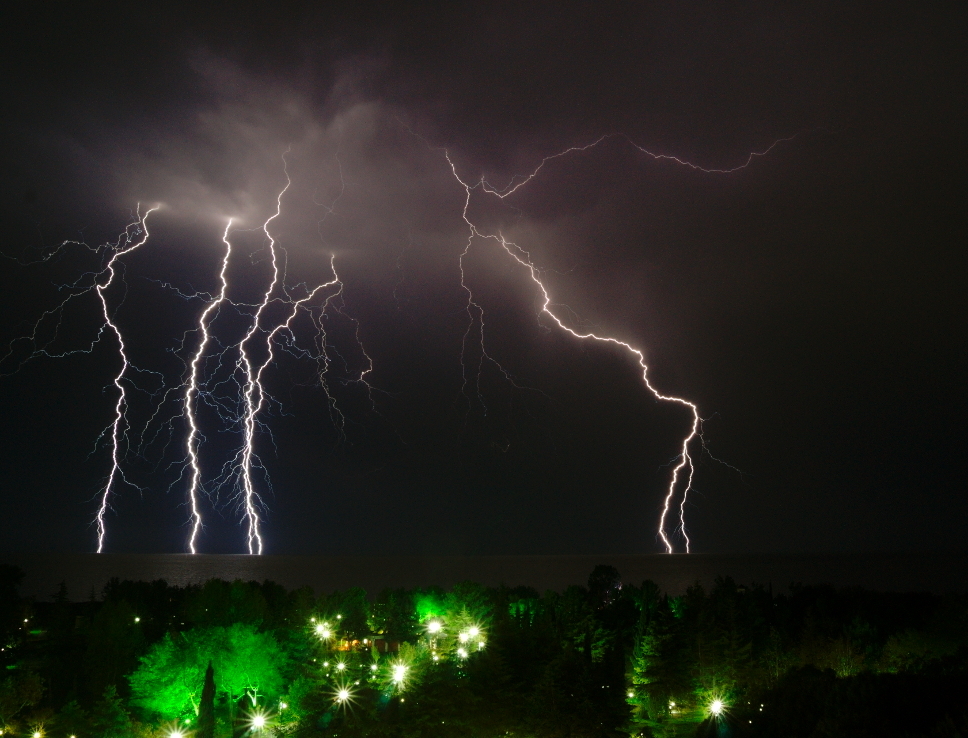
(206, 706)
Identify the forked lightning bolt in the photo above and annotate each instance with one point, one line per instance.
(685, 466)
(119, 409)
(135, 235)
(240, 469)
(191, 395)
(239, 396)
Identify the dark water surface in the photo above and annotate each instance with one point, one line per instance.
(932, 572)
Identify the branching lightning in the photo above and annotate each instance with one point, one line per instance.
(228, 376)
(684, 467)
(191, 393)
(135, 235)
(122, 403)
(239, 472)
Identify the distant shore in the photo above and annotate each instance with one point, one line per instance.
(898, 572)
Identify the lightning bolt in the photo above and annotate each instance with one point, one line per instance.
(684, 469)
(122, 403)
(254, 395)
(98, 282)
(240, 397)
(191, 395)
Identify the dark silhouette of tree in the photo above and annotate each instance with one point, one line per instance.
(604, 585)
(206, 706)
(108, 717)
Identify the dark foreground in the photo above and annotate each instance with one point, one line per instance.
(609, 658)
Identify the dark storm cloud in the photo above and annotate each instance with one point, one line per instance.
(808, 303)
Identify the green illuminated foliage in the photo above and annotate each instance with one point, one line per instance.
(170, 679)
(429, 604)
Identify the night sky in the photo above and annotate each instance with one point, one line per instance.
(812, 304)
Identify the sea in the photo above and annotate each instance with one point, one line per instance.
(86, 574)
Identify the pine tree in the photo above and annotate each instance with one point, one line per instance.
(206, 707)
(108, 718)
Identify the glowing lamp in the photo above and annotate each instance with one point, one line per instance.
(342, 695)
(474, 632)
(716, 707)
(258, 721)
(434, 626)
(176, 734)
(462, 653)
(399, 673)
(341, 666)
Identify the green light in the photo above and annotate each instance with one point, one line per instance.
(176, 734)
(399, 673)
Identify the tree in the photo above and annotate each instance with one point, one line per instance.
(71, 720)
(171, 678)
(206, 706)
(114, 641)
(108, 717)
(18, 692)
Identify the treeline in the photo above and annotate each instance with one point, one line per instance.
(609, 659)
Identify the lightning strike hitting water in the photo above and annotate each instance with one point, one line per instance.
(685, 466)
(242, 466)
(191, 393)
(254, 393)
(135, 235)
(122, 403)
(235, 388)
